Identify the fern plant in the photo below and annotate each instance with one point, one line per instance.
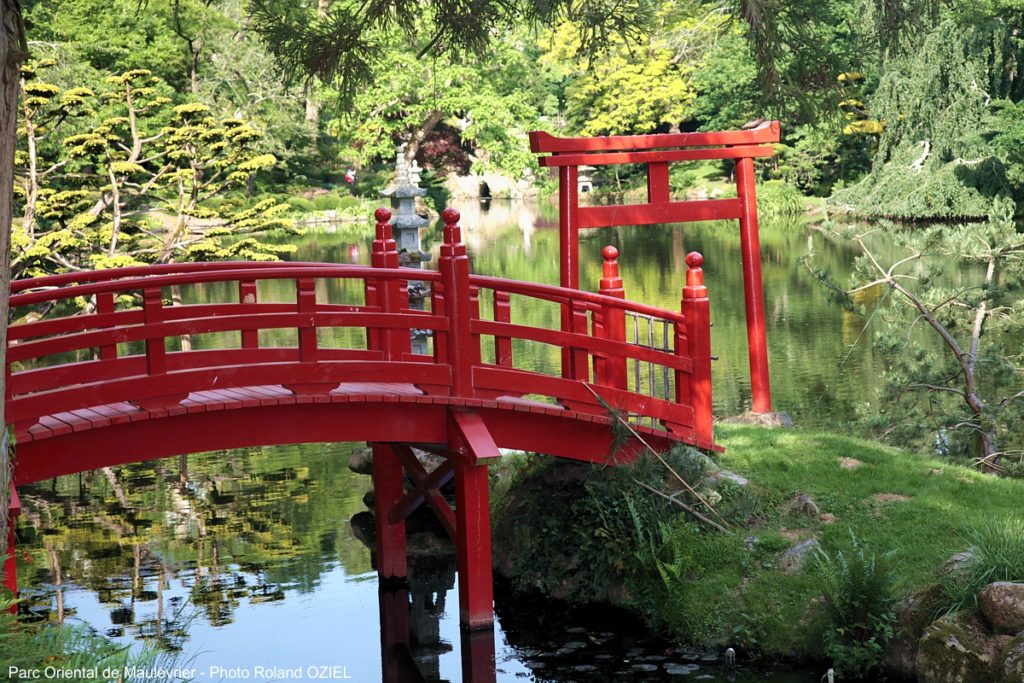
(857, 587)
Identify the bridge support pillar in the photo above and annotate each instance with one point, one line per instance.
(473, 546)
(10, 561)
(392, 562)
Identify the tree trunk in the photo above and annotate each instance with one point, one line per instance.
(196, 47)
(313, 121)
(312, 106)
(13, 50)
(429, 124)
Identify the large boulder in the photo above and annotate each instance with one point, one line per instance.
(959, 649)
(360, 460)
(1002, 603)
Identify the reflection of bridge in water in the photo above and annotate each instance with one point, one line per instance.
(104, 373)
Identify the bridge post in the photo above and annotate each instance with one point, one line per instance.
(10, 561)
(454, 268)
(750, 254)
(697, 312)
(388, 487)
(473, 545)
(612, 371)
(389, 295)
(469, 443)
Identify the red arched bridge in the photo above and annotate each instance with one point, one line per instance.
(109, 367)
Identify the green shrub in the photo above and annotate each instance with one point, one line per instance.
(301, 204)
(326, 202)
(681, 179)
(858, 592)
(776, 198)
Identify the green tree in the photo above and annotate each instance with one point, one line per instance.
(942, 106)
(490, 103)
(626, 89)
(956, 361)
(342, 46)
(95, 204)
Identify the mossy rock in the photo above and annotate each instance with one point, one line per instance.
(1012, 670)
(959, 649)
(913, 616)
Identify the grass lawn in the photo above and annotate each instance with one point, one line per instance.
(711, 588)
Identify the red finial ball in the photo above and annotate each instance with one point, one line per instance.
(610, 253)
(450, 216)
(694, 259)
(382, 215)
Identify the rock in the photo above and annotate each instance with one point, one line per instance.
(795, 559)
(957, 563)
(1002, 603)
(708, 465)
(959, 650)
(1012, 670)
(363, 530)
(360, 460)
(716, 478)
(487, 186)
(368, 499)
(429, 461)
(913, 616)
(771, 420)
(803, 504)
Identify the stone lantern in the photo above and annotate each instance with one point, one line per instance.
(406, 224)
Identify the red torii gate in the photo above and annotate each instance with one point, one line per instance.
(657, 151)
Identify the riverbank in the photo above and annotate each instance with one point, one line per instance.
(796, 503)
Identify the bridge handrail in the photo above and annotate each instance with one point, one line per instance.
(563, 295)
(277, 272)
(47, 281)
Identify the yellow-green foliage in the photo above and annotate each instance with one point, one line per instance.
(626, 89)
(88, 207)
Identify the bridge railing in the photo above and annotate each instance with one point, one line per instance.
(118, 337)
(108, 340)
(595, 349)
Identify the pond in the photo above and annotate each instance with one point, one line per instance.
(257, 558)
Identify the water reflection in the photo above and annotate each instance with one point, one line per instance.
(259, 558)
